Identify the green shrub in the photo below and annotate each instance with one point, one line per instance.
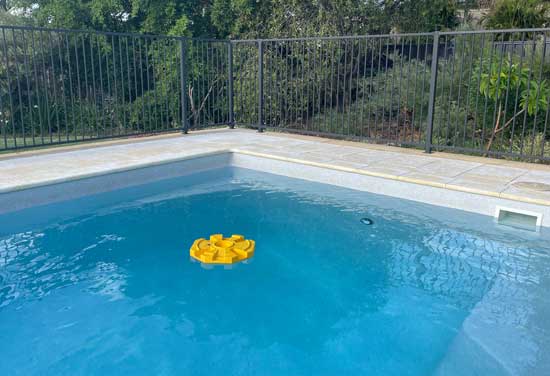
(517, 14)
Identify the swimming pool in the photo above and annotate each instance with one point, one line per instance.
(103, 284)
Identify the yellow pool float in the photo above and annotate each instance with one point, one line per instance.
(220, 250)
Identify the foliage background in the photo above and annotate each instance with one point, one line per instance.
(360, 88)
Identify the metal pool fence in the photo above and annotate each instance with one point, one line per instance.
(60, 86)
(482, 92)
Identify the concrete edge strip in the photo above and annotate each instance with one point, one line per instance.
(428, 183)
(285, 159)
(112, 171)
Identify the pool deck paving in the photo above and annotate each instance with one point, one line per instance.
(517, 181)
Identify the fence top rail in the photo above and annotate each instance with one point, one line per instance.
(369, 36)
(112, 33)
(319, 38)
(373, 36)
(496, 31)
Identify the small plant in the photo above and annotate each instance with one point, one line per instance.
(502, 80)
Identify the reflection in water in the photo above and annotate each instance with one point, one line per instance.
(461, 265)
(471, 265)
(31, 269)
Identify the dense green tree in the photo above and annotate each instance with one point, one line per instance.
(144, 16)
(520, 14)
(74, 14)
(243, 18)
(285, 18)
(411, 16)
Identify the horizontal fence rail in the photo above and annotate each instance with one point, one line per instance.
(480, 92)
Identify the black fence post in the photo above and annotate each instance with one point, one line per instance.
(260, 86)
(183, 81)
(433, 88)
(230, 84)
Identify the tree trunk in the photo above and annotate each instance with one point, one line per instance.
(495, 130)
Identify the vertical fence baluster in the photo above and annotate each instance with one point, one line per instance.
(260, 86)
(230, 84)
(433, 87)
(183, 82)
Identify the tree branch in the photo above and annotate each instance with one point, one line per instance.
(196, 111)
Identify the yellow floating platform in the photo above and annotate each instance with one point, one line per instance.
(220, 250)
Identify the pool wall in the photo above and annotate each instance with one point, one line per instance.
(445, 197)
(75, 187)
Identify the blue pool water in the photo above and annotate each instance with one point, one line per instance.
(103, 285)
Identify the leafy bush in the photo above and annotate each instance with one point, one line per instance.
(516, 92)
(517, 14)
(412, 16)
